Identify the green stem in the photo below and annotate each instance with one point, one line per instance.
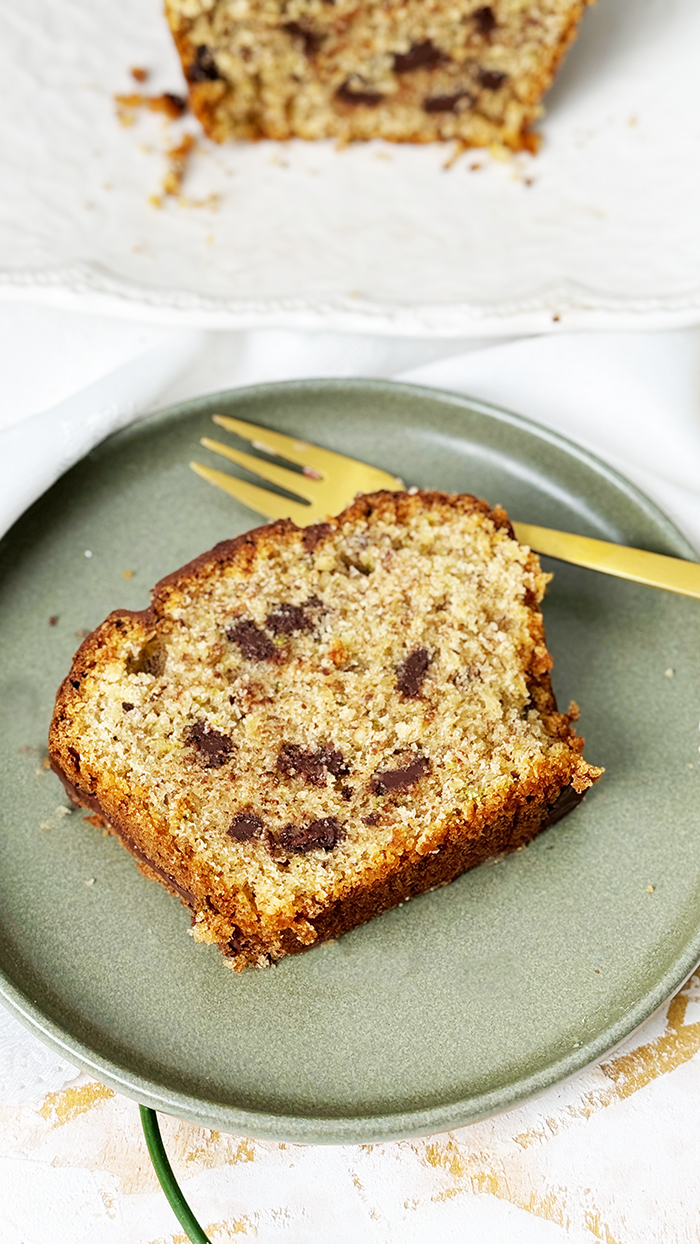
(166, 1178)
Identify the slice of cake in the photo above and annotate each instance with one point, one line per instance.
(309, 726)
(413, 71)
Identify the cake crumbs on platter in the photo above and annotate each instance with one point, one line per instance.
(459, 150)
(127, 574)
(178, 159)
(171, 105)
(57, 816)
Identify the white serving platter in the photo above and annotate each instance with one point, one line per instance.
(599, 230)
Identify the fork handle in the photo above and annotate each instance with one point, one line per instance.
(654, 569)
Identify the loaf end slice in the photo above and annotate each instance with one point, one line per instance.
(408, 72)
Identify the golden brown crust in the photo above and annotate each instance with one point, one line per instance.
(499, 824)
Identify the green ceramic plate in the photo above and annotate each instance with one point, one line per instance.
(458, 1004)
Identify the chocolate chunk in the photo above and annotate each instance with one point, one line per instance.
(334, 761)
(485, 19)
(245, 825)
(311, 39)
(565, 802)
(175, 104)
(314, 534)
(347, 792)
(448, 103)
(400, 779)
(492, 79)
(203, 67)
(287, 619)
(298, 839)
(254, 644)
(127, 707)
(411, 672)
(154, 662)
(235, 944)
(418, 56)
(372, 819)
(349, 96)
(312, 766)
(214, 748)
(75, 756)
(295, 761)
(75, 682)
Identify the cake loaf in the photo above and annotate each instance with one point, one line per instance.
(413, 71)
(309, 726)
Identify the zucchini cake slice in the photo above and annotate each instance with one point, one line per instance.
(309, 726)
(403, 70)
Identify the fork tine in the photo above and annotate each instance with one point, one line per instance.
(268, 503)
(291, 447)
(367, 478)
(291, 480)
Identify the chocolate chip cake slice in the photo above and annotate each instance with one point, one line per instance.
(309, 726)
(413, 71)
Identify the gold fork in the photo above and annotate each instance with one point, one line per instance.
(329, 481)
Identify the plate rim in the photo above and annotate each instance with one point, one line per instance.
(359, 1129)
(561, 306)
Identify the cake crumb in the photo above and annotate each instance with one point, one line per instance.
(53, 620)
(127, 574)
(173, 106)
(87, 553)
(177, 159)
(90, 881)
(669, 673)
(650, 889)
(500, 152)
(459, 150)
(139, 74)
(58, 814)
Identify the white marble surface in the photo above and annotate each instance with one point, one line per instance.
(612, 1155)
